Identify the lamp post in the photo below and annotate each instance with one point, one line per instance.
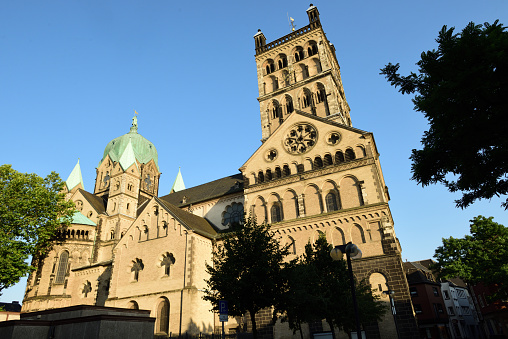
(352, 252)
(390, 294)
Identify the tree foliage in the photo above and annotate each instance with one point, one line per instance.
(462, 90)
(479, 257)
(32, 209)
(247, 271)
(319, 289)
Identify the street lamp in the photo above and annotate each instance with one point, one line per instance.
(352, 252)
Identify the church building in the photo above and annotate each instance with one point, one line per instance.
(314, 174)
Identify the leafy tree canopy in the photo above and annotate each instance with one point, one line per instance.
(479, 257)
(32, 209)
(462, 90)
(247, 271)
(319, 288)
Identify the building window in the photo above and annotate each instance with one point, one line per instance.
(350, 154)
(339, 157)
(62, 268)
(167, 260)
(137, 266)
(435, 291)
(413, 291)
(276, 213)
(438, 308)
(233, 214)
(331, 202)
(286, 171)
(450, 311)
(446, 295)
(418, 308)
(466, 310)
(163, 317)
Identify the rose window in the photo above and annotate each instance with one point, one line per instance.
(300, 139)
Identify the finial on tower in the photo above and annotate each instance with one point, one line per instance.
(134, 127)
(291, 23)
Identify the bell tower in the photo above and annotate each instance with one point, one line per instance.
(299, 72)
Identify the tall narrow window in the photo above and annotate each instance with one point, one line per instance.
(167, 260)
(163, 317)
(62, 268)
(331, 202)
(276, 213)
(286, 171)
(137, 266)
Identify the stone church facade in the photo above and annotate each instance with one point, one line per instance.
(314, 174)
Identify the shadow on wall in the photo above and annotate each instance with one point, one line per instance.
(103, 287)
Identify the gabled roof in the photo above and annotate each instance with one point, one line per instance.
(97, 202)
(194, 222)
(291, 120)
(75, 178)
(210, 190)
(80, 219)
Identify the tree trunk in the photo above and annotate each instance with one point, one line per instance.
(330, 323)
(253, 322)
(301, 332)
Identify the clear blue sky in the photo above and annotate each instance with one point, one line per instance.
(73, 72)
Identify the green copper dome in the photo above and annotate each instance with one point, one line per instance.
(144, 150)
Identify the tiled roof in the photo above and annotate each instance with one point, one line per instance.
(194, 222)
(96, 202)
(210, 190)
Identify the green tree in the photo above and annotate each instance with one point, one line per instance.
(479, 257)
(319, 289)
(247, 271)
(32, 209)
(462, 90)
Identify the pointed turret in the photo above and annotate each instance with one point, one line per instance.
(178, 185)
(75, 179)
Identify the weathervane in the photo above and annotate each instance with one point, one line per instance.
(135, 119)
(291, 23)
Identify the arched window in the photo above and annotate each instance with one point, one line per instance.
(112, 235)
(163, 317)
(318, 163)
(62, 268)
(233, 214)
(331, 202)
(286, 171)
(167, 261)
(137, 266)
(268, 175)
(327, 160)
(350, 154)
(292, 245)
(261, 177)
(289, 105)
(133, 305)
(321, 95)
(339, 157)
(276, 213)
(278, 172)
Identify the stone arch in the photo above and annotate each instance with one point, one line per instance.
(350, 192)
(281, 61)
(259, 208)
(315, 67)
(360, 151)
(349, 154)
(312, 200)
(290, 204)
(378, 283)
(275, 207)
(298, 53)
(316, 234)
(292, 244)
(162, 316)
(287, 104)
(308, 164)
(133, 305)
(305, 98)
(63, 267)
(310, 48)
(327, 160)
(268, 66)
(357, 234)
(338, 236)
